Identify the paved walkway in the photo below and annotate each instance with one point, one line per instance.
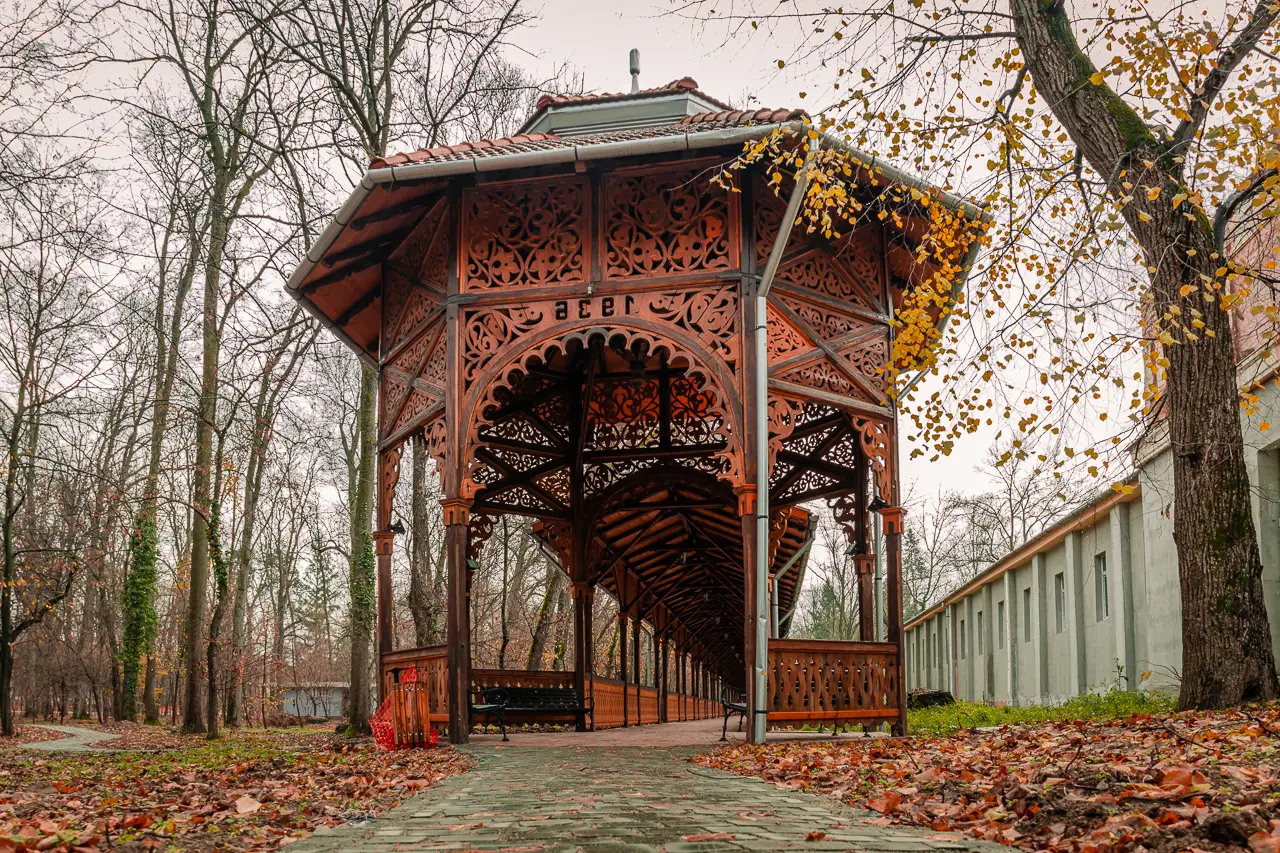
(599, 799)
(78, 739)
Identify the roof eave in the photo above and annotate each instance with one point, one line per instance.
(692, 139)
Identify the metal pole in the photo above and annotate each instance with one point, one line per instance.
(760, 683)
(777, 579)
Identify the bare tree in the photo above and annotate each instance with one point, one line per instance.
(51, 300)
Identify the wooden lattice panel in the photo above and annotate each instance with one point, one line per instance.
(816, 681)
(667, 223)
(525, 234)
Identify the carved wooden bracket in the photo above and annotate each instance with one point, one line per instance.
(388, 476)
(383, 540)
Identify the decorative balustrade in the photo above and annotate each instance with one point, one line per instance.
(828, 682)
(428, 667)
(609, 702)
(648, 705)
(615, 704)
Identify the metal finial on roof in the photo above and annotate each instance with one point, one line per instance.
(635, 70)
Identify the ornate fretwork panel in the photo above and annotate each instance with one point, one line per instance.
(825, 321)
(784, 339)
(818, 457)
(525, 234)
(418, 404)
(821, 678)
(818, 271)
(697, 417)
(870, 358)
(822, 375)
(624, 413)
(419, 264)
(708, 313)
(663, 223)
(412, 383)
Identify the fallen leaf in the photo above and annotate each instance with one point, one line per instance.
(247, 805)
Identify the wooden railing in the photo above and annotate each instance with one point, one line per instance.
(608, 695)
(428, 667)
(827, 681)
(519, 678)
(648, 705)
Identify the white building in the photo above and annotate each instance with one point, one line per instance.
(1094, 601)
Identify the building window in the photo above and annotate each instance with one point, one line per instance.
(981, 638)
(964, 640)
(1102, 588)
(1060, 600)
(1026, 615)
(1000, 622)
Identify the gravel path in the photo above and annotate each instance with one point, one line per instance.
(78, 739)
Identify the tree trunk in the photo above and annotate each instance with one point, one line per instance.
(150, 709)
(361, 583)
(206, 412)
(422, 594)
(561, 648)
(542, 627)
(1226, 640)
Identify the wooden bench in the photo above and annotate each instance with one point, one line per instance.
(731, 707)
(497, 702)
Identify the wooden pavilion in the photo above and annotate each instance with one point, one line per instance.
(570, 316)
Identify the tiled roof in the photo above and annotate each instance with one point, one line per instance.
(684, 84)
(522, 142)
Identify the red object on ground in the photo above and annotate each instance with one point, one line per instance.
(383, 723)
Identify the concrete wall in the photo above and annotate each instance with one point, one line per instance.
(1042, 630)
(1134, 641)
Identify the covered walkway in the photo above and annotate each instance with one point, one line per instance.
(608, 323)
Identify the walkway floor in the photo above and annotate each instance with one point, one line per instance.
(597, 797)
(79, 739)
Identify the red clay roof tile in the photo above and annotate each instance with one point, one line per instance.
(726, 117)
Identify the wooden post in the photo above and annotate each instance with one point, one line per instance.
(622, 662)
(893, 527)
(663, 714)
(458, 634)
(382, 545)
(635, 666)
(583, 599)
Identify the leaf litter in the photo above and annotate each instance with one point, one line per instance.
(252, 790)
(1192, 781)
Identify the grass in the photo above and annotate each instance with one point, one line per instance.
(1115, 704)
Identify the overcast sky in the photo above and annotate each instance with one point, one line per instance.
(594, 37)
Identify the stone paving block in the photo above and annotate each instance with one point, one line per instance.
(606, 799)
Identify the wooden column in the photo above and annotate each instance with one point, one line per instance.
(382, 547)
(864, 561)
(583, 602)
(663, 714)
(622, 663)
(893, 518)
(383, 541)
(635, 666)
(458, 634)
